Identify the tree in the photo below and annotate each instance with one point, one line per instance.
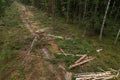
(104, 19)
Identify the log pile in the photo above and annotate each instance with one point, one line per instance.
(82, 60)
(106, 75)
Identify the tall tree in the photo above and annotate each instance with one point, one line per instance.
(104, 19)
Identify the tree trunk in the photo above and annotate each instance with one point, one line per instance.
(68, 6)
(118, 34)
(104, 19)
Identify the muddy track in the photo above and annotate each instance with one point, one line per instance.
(32, 26)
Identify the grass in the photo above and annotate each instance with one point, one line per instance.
(13, 38)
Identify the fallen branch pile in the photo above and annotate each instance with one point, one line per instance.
(97, 76)
(84, 59)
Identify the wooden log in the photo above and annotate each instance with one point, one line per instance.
(82, 58)
(97, 76)
(42, 30)
(78, 64)
(58, 37)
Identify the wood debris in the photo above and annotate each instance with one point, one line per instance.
(57, 37)
(84, 59)
(106, 75)
(42, 30)
(99, 50)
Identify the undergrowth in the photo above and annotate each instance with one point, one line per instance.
(13, 38)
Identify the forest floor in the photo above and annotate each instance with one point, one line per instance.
(45, 61)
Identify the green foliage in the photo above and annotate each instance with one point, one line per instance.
(27, 2)
(3, 5)
(77, 46)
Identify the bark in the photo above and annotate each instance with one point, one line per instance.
(104, 20)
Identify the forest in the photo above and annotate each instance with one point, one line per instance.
(59, 39)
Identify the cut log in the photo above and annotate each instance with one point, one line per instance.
(107, 75)
(78, 64)
(58, 37)
(82, 58)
